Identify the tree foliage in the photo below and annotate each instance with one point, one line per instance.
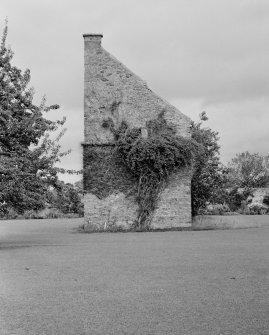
(248, 170)
(28, 155)
(209, 175)
(67, 198)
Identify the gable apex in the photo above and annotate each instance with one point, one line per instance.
(109, 83)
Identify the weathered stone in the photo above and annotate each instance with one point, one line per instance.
(114, 210)
(113, 91)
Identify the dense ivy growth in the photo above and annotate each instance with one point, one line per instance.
(151, 159)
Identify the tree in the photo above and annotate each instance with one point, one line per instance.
(209, 174)
(67, 198)
(28, 155)
(248, 170)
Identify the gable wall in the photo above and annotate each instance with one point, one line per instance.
(112, 90)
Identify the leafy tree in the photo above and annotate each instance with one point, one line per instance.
(27, 154)
(248, 170)
(67, 198)
(209, 175)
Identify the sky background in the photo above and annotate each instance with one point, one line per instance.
(200, 55)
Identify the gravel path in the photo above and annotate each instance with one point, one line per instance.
(56, 281)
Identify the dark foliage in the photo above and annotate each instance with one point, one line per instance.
(209, 175)
(105, 173)
(235, 198)
(266, 200)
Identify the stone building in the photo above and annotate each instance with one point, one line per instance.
(112, 91)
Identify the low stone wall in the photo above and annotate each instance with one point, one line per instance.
(174, 205)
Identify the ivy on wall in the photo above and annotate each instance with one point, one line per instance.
(150, 159)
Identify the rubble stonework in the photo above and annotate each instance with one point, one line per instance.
(112, 91)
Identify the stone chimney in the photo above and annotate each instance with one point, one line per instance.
(93, 39)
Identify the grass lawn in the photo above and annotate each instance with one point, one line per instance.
(56, 281)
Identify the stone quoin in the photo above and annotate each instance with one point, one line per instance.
(112, 91)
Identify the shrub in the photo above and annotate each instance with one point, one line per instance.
(257, 209)
(32, 214)
(9, 214)
(217, 209)
(235, 198)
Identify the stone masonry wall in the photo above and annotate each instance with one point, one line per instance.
(113, 91)
(174, 206)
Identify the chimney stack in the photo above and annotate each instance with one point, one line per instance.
(93, 39)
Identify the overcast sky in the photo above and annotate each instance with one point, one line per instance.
(200, 55)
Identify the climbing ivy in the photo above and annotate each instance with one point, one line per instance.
(151, 159)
